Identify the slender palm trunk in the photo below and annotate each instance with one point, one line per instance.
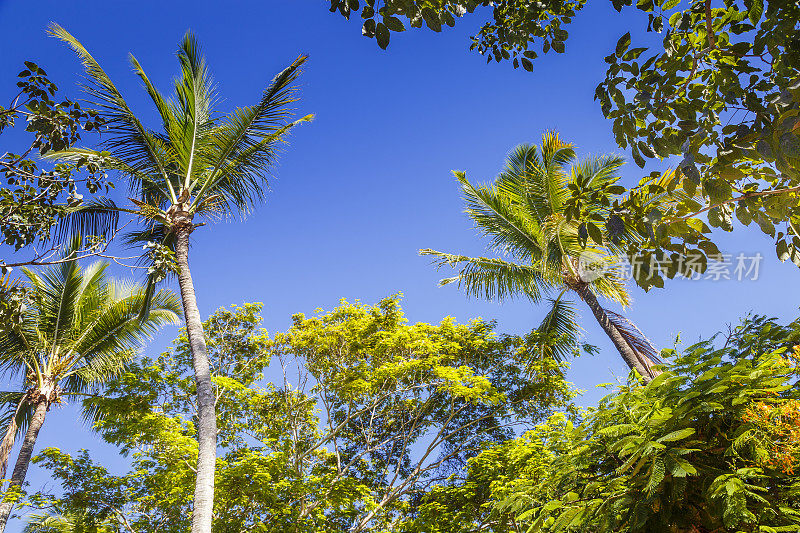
(630, 356)
(206, 412)
(24, 458)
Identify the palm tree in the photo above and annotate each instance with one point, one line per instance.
(80, 329)
(200, 164)
(522, 213)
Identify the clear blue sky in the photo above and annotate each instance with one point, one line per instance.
(360, 190)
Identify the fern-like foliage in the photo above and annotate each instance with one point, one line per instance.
(711, 444)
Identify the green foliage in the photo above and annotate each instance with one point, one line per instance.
(723, 93)
(35, 200)
(367, 412)
(721, 89)
(109, 496)
(13, 303)
(80, 328)
(512, 32)
(468, 500)
(683, 453)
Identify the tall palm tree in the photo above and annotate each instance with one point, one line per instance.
(80, 329)
(522, 213)
(201, 164)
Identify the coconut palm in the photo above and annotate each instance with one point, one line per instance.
(522, 213)
(79, 330)
(200, 165)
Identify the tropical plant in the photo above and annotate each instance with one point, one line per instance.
(80, 329)
(64, 523)
(523, 213)
(201, 165)
(711, 444)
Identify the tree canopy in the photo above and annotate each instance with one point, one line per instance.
(367, 413)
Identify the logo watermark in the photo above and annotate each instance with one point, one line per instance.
(739, 267)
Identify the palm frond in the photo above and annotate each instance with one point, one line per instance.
(194, 90)
(154, 232)
(98, 217)
(98, 370)
(165, 109)
(594, 172)
(524, 181)
(558, 336)
(493, 279)
(234, 188)
(45, 523)
(556, 156)
(57, 288)
(611, 286)
(243, 132)
(82, 327)
(127, 139)
(118, 328)
(146, 185)
(502, 220)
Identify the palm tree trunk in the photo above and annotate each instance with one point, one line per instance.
(628, 354)
(24, 458)
(206, 412)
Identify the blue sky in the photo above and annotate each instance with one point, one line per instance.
(366, 185)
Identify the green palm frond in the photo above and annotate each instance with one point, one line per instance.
(165, 108)
(556, 156)
(522, 215)
(526, 182)
(502, 220)
(594, 172)
(153, 232)
(612, 287)
(242, 147)
(17, 346)
(83, 327)
(219, 165)
(98, 217)
(558, 336)
(107, 162)
(57, 288)
(128, 139)
(493, 279)
(117, 327)
(45, 523)
(71, 523)
(237, 185)
(194, 90)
